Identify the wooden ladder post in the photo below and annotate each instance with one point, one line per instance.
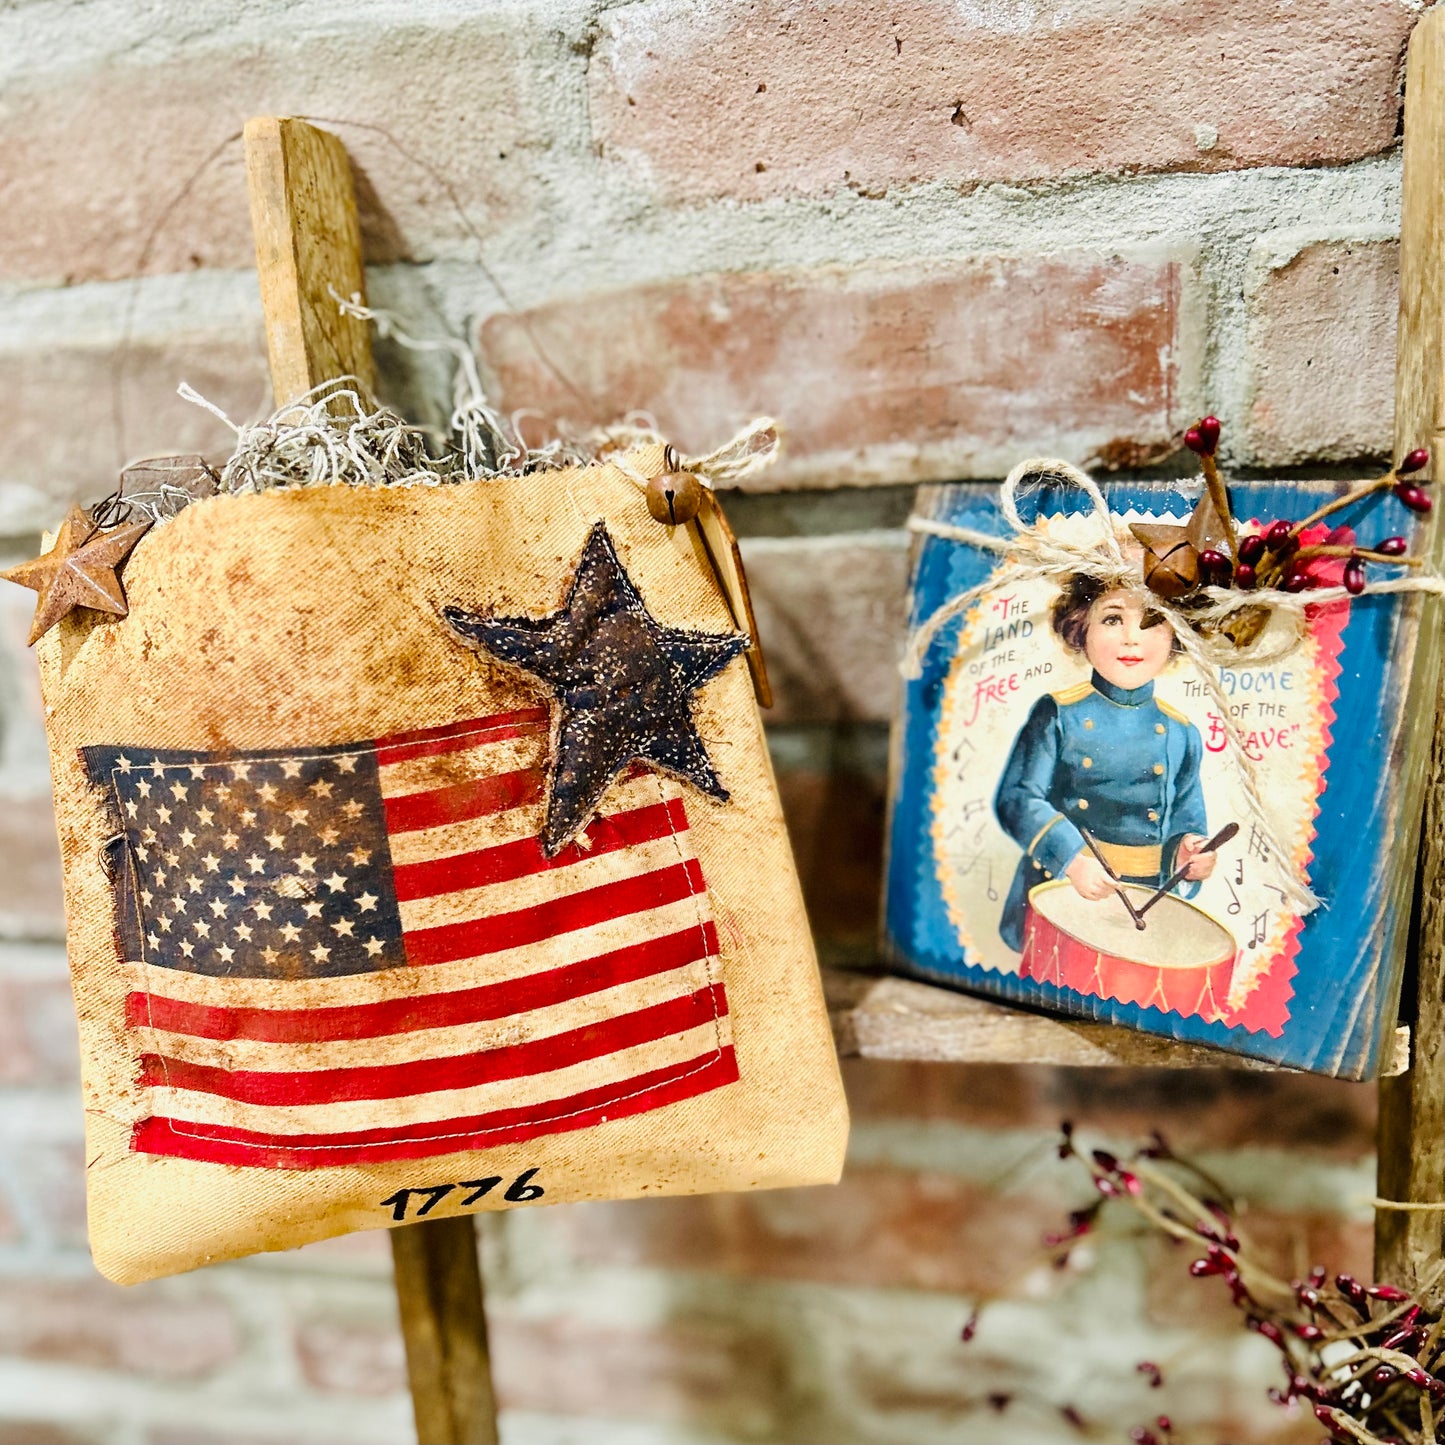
(1411, 1167)
(308, 243)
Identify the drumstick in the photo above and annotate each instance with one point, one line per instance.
(1217, 841)
(1137, 916)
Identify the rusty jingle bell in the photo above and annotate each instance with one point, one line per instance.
(1170, 562)
(674, 496)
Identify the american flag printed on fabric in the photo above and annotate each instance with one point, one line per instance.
(360, 953)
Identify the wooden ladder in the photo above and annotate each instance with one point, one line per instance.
(308, 245)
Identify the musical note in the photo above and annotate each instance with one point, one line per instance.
(966, 743)
(1260, 920)
(1257, 844)
(992, 891)
(1234, 905)
(972, 806)
(1239, 871)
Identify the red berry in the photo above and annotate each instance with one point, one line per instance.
(1251, 548)
(1206, 434)
(1413, 461)
(1245, 576)
(970, 1328)
(1354, 576)
(1309, 1332)
(1412, 496)
(1081, 1221)
(1388, 1292)
(1391, 547)
(1155, 1374)
(1298, 581)
(1215, 564)
(1193, 440)
(1277, 535)
(1203, 1268)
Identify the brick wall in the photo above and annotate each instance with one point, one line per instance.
(929, 238)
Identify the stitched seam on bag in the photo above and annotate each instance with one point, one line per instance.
(706, 1061)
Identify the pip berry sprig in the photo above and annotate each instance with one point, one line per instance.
(1275, 556)
(1369, 1359)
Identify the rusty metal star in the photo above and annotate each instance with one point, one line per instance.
(623, 682)
(78, 571)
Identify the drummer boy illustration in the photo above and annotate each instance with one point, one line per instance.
(1105, 755)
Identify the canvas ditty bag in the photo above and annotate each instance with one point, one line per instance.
(330, 972)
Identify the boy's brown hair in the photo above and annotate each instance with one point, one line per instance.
(1069, 615)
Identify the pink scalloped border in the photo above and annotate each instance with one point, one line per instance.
(1266, 1010)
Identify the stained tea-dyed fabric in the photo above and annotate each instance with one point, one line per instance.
(447, 1020)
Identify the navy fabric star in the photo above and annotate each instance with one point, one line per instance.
(623, 682)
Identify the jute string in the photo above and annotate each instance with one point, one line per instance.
(1029, 554)
(754, 447)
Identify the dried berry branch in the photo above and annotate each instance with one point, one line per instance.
(1367, 1357)
(1274, 557)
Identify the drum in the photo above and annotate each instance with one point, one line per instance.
(1180, 962)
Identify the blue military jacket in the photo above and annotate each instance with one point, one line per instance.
(1114, 760)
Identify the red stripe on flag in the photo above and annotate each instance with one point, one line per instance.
(523, 856)
(452, 737)
(448, 942)
(474, 798)
(217, 1144)
(430, 1011)
(427, 1076)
